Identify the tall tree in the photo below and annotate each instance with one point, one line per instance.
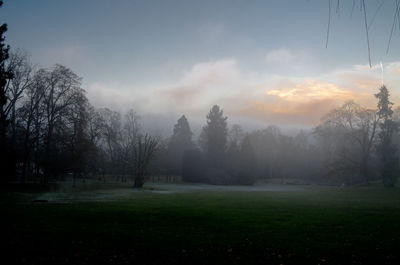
(143, 151)
(4, 77)
(30, 117)
(131, 130)
(386, 149)
(18, 64)
(61, 89)
(215, 134)
(180, 141)
(77, 136)
(111, 132)
(21, 69)
(94, 130)
(348, 134)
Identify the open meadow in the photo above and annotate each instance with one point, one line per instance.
(202, 224)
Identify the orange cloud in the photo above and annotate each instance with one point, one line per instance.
(310, 90)
(307, 113)
(298, 102)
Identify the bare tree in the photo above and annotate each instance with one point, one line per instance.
(61, 87)
(30, 116)
(131, 130)
(94, 128)
(111, 132)
(348, 134)
(22, 70)
(143, 151)
(77, 137)
(95, 125)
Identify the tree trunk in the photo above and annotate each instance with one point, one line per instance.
(26, 153)
(139, 181)
(3, 154)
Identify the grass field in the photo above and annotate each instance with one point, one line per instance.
(193, 224)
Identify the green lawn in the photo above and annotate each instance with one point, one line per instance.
(315, 225)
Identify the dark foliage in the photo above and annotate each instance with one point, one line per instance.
(6, 151)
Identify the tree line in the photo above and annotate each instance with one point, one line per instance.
(49, 131)
(351, 145)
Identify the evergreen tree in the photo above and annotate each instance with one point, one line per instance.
(215, 133)
(180, 141)
(386, 149)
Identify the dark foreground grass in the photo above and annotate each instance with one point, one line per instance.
(316, 226)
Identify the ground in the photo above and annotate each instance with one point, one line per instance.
(203, 224)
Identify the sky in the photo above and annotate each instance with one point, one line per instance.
(264, 62)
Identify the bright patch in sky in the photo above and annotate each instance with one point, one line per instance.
(258, 96)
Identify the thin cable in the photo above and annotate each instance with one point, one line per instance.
(329, 24)
(393, 25)
(366, 31)
(352, 9)
(338, 8)
(376, 12)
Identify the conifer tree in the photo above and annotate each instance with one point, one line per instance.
(215, 133)
(180, 141)
(386, 149)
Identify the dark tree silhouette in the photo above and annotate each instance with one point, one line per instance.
(215, 133)
(95, 121)
(386, 149)
(62, 89)
(143, 151)
(179, 142)
(349, 133)
(21, 69)
(76, 136)
(29, 117)
(111, 138)
(130, 133)
(4, 122)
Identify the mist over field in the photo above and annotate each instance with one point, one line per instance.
(200, 132)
